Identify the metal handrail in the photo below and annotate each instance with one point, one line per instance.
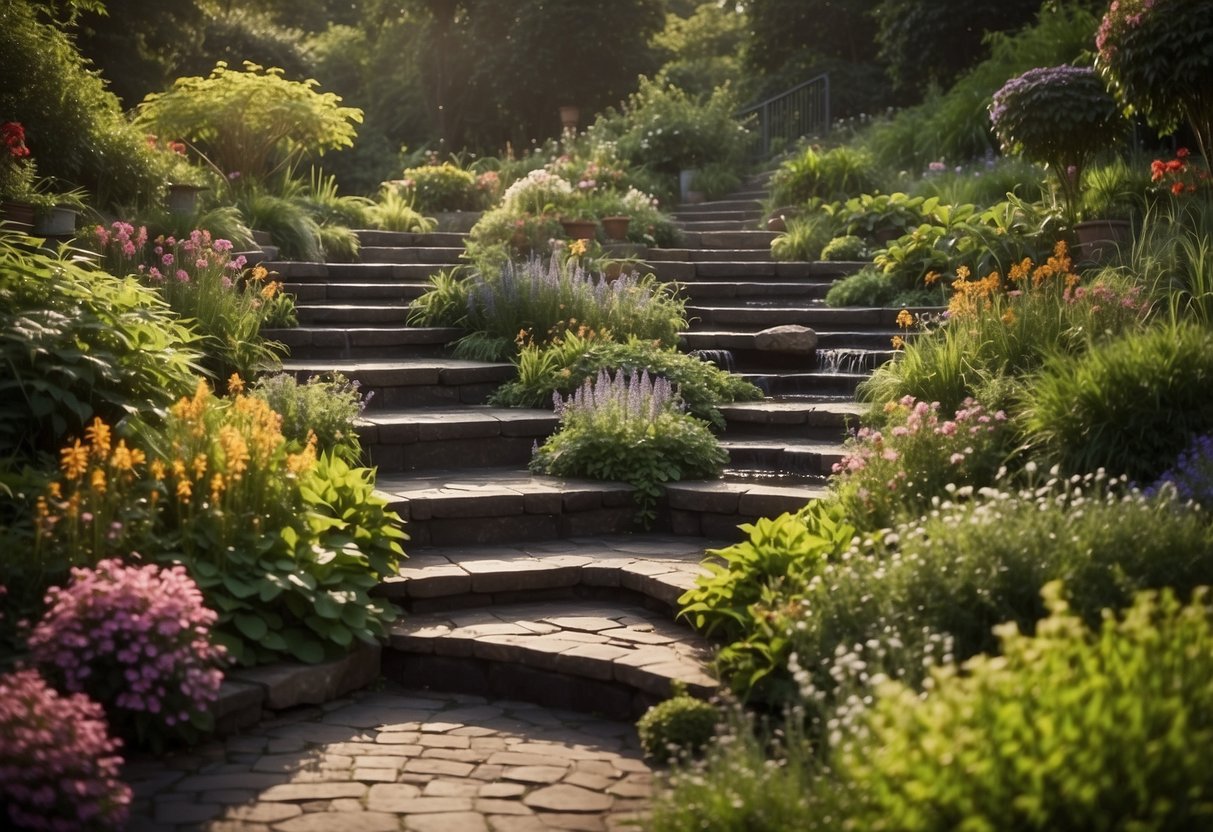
(802, 110)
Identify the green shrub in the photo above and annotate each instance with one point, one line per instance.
(503, 234)
(837, 173)
(681, 726)
(286, 546)
(806, 235)
(984, 184)
(444, 187)
(78, 343)
(254, 123)
(848, 247)
(75, 128)
(1070, 729)
(445, 303)
(570, 359)
(319, 195)
(291, 227)
(629, 429)
(789, 549)
(1129, 406)
(394, 213)
(338, 243)
(1174, 257)
(871, 287)
(326, 407)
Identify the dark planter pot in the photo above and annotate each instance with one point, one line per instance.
(1102, 241)
(183, 199)
(57, 222)
(579, 229)
(17, 216)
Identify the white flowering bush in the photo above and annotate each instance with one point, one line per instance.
(136, 639)
(58, 765)
(539, 192)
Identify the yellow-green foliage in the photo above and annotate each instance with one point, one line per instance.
(682, 724)
(1069, 730)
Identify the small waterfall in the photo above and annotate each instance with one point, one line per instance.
(844, 361)
(721, 358)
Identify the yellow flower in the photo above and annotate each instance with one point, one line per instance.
(235, 384)
(962, 272)
(55, 490)
(217, 486)
(577, 248)
(98, 434)
(74, 460)
(98, 481)
(235, 451)
(931, 278)
(124, 458)
(1008, 317)
(259, 273)
(270, 289)
(904, 319)
(157, 469)
(898, 342)
(184, 490)
(199, 466)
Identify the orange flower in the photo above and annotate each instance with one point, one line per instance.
(98, 435)
(74, 460)
(931, 278)
(235, 385)
(898, 342)
(904, 319)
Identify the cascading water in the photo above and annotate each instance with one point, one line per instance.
(721, 358)
(844, 361)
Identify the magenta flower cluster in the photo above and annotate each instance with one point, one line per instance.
(58, 765)
(183, 260)
(136, 638)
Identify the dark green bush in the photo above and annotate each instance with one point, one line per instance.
(838, 173)
(849, 247)
(679, 726)
(74, 127)
(326, 406)
(78, 343)
(1130, 406)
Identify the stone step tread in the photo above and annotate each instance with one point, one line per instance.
(315, 292)
(464, 422)
(365, 335)
(728, 204)
(793, 412)
(428, 239)
(733, 289)
(658, 565)
(623, 643)
(405, 371)
(660, 255)
(798, 444)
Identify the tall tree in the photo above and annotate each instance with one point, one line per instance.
(925, 42)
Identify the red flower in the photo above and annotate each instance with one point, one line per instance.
(1177, 188)
(177, 147)
(12, 134)
(1182, 153)
(1157, 169)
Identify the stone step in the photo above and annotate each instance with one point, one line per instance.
(353, 314)
(496, 505)
(716, 205)
(725, 226)
(410, 239)
(307, 293)
(729, 239)
(412, 382)
(740, 271)
(811, 384)
(653, 569)
(793, 292)
(411, 254)
(737, 340)
(688, 216)
(819, 317)
(311, 344)
(653, 255)
(447, 437)
(782, 454)
(305, 272)
(803, 418)
(616, 658)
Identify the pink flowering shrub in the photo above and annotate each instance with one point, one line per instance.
(58, 764)
(136, 639)
(200, 279)
(894, 472)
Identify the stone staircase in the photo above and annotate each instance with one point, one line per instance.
(543, 588)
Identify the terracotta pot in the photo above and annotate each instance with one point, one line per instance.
(569, 116)
(579, 229)
(616, 228)
(1101, 241)
(17, 216)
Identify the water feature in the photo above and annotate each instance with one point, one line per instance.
(721, 358)
(846, 361)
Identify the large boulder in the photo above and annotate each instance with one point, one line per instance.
(791, 338)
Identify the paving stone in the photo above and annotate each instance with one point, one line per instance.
(379, 761)
(389, 797)
(374, 775)
(502, 790)
(514, 758)
(447, 822)
(488, 806)
(424, 805)
(283, 763)
(341, 822)
(451, 788)
(397, 738)
(535, 774)
(182, 811)
(581, 823)
(444, 741)
(215, 782)
(462, 755)
(447, 768)
(262, 812)
(313, 791)
(517, 823)
(567, 798)
(229, 797)
(345, 804)
(596, 782)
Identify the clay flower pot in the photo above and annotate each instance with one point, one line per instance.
(579, 229)
(616, 228)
